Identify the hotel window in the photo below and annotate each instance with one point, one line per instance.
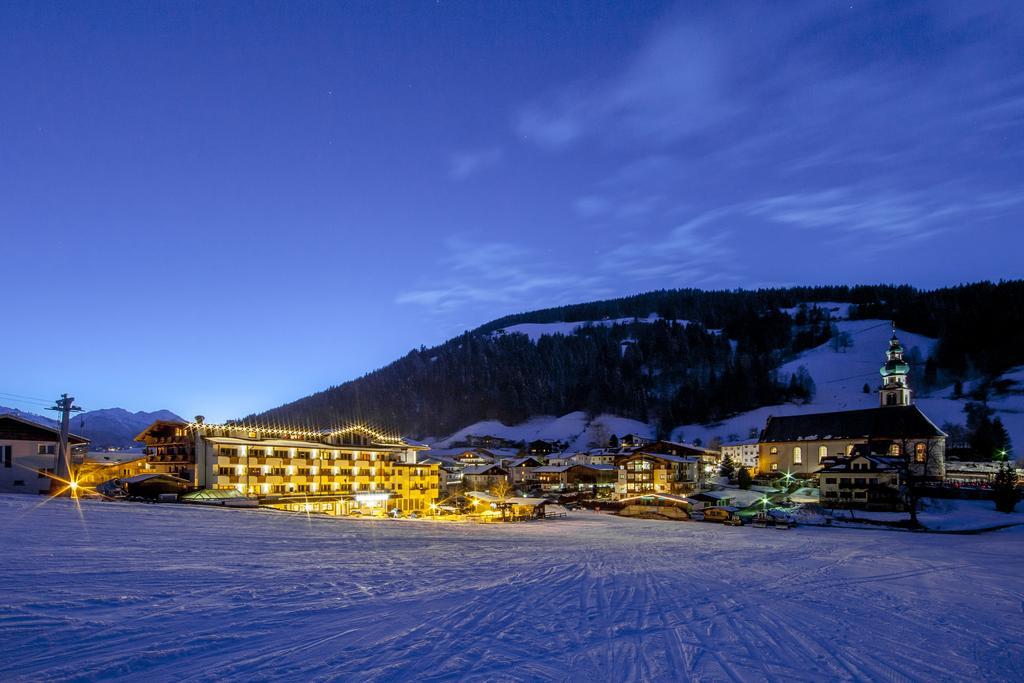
(229, 451)
(920, 451)
(773, 450)
(46, 449)
(798, 455)
(278, 453)
(822, 453)
(775, 467)
(849, 448)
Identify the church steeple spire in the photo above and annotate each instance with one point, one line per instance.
(895, 390)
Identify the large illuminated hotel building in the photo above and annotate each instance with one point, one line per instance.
(337, 471)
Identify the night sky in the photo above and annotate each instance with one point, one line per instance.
(218, 207)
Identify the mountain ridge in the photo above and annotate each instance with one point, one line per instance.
(104, 427)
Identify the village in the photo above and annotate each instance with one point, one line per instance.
(820, 466)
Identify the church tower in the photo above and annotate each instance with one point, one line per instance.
(895, 391)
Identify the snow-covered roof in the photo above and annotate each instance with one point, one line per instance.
(483, 495)
(481, 469)
(526, 501)
(664, 456)
(745, 442)
(112, 457)
(138, 478)
(553, 468)
(519, 462)
(664, 496)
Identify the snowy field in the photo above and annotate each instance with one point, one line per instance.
(162, 592)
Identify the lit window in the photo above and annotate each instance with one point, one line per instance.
(920, 451)
(775, 467)
(798, 455)
(774, 450)
(894, 450)
(822, 453)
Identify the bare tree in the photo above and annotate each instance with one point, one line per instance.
(503, 489)
(920, 461)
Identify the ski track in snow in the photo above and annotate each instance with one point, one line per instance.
(174, 592)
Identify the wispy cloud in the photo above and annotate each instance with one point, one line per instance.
(499, 273)
(697, 252)
(670, 89)
(467, 163)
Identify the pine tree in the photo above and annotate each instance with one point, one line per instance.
(1004, 488)
(866, 389)
(613, 441)
(1001, 439)
(743, 478)
(728, 467)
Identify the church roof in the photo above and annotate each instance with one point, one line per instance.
(889, 422)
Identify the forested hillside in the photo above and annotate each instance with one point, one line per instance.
(709, 355)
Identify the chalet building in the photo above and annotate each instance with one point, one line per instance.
(484, 477)
(642, 473)
(565, 458)
(28, 453)
(709, 457)
(170, 449)
(866, 482)
(595, 479)
(633, 441)
(521, 470)
(457, 458)
(544, 447)
(800, 444)
(335, 471)
(598, 456)
(97, 468)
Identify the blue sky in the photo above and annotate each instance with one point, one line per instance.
(217, 208)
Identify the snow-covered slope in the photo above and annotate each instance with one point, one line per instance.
(839, 377)
(574, 429)
(536, 330)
